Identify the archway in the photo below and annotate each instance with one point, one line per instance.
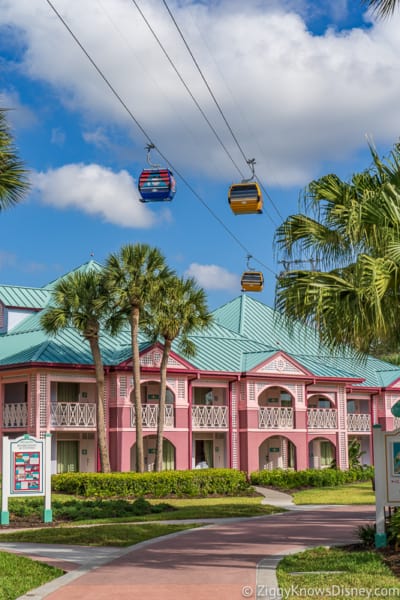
(277, 452)
(149, 448)
(321, 453)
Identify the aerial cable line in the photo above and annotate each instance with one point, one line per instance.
(171, 62)
(146, 135)
(215, 99)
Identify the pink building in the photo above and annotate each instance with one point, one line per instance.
(256, 395)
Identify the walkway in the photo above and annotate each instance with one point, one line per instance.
(228, 560)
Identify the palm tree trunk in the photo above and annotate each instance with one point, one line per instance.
(161, 409)
(136, 391)
(101, 428)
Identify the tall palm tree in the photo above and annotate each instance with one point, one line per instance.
(133, 276)
(354, 237)
(179, 309)
(13, 176)
(383, 8)
(79, 300)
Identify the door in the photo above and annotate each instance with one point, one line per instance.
(67, 456)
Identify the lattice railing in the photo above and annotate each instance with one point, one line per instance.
(359, 422)
(212, 417)
(275, 417)
(322, 418)
(73, 414)
(150, 416)
(15, 415)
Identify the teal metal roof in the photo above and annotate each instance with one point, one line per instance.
(23, 297)
(244, 334)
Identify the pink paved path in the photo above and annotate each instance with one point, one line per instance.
(215, 562)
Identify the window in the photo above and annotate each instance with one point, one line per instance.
(67, 391)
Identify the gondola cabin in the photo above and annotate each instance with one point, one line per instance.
(252, 281)
(156, 185)
(245, 198)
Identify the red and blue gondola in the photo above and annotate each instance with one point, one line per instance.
(156, 185)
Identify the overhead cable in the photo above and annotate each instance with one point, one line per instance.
(148, 138)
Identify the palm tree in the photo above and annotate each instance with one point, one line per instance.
(79, 301)
(383, 8)
(133, 276)
(354, 234)
(13, 182)
(178, 310)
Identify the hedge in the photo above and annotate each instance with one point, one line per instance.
(195, 483)
(288, 480)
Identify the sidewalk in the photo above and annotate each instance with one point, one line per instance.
(226, 560)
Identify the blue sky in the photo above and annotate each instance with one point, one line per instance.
(301, 83)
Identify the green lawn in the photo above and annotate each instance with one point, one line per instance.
(12, 585)
(352, 493)
(114, 534)
(359, 574)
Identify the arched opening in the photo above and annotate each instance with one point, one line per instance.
(275, 408)
(149, 450)
(277, 452)
(150, 396)
(321, 412)
(321, 453)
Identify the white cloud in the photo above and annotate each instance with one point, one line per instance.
(97, 137)
(213, 277)
(95, 190)
(292, 98)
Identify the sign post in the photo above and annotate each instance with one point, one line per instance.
(26, 472)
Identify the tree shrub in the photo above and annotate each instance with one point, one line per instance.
(289, 480)
(195, 483)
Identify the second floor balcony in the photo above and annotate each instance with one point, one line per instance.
(15, 414)
(359, 422)
(209, 417)
(150, 416)
(275, 417)
(73, 414)
(322, 418)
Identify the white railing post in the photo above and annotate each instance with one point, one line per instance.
(73, 414)
(358, 422)
(275, 417)
(209, 417)
(322, 418)
(15, 414)
(150, 416)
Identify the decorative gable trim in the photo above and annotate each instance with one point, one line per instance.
(152, 359)
(280, 364)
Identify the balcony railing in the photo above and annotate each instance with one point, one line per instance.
(73, 414)
(358, 422)
(150, 416)
(209, 417)
(322, 418)
(15, 415)
(275, 417)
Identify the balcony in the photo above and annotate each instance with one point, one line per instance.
(275, 417)
(15, 415)
(322, 418)
(73, 414)
(150, 416)
(209, 417)
(359, 422)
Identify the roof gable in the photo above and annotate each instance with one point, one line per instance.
(280, 364)
(153, 356)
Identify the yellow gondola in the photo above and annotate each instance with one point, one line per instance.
(245, 198)
(252, 281)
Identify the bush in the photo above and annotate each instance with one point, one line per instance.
(289, 480)
(196, 483)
